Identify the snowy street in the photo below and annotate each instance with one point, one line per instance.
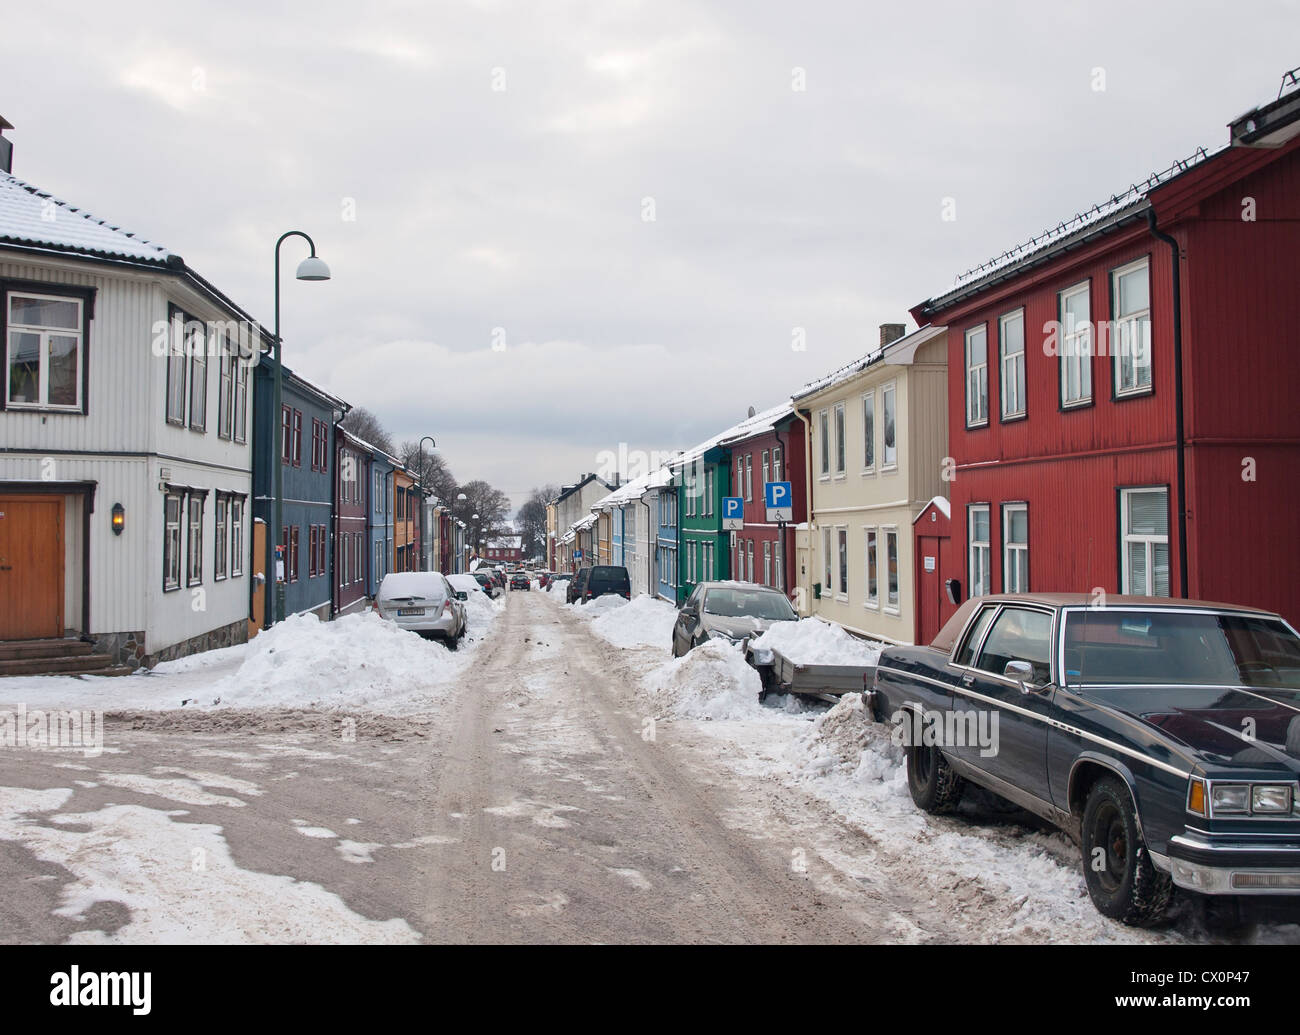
(558, 779)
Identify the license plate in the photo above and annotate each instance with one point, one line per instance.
(402, 612)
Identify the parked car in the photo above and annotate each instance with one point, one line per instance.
(465, 584)
(423, 602)
(1163, 735)
(731, 611)
(544, 579)
(601, 579)
(576, 585)
(520, 580)
(487, 580)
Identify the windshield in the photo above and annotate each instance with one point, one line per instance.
(743, 603)
(1189, 649)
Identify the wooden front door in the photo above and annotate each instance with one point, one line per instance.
(928, 587)
(31, 567)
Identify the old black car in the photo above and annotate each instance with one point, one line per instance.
(1163, 735)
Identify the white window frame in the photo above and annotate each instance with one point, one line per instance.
(842, 562)
(778, 567)
(888, 392)
(776, 464)
(841, 444)
(1151, 541)
(765, 467)
(1121, 335)
(236, 536)
(221, 539)
(1076, 346)
(871, 566)
(978, 551)
(1011, 367)
(977, 401)
(1015, 556)
(893, 593)
(828, 561)
(194, 539)
(44, 333)
(198, 393)
(869, 432)
(767, 562)
(173, 541)
(749, 477)
(824, 434)
(225, 390)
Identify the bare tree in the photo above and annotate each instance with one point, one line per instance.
(367, 427)
(491, 505)
(531, 520)
(430, 468)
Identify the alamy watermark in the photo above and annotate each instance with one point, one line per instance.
(957, 728)
(57, 729)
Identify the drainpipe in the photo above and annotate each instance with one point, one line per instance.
(785, 567)
(1180, 436)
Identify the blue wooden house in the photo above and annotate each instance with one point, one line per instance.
(382, 466)
(300, 438)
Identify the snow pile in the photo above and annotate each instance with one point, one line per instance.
(812, 641)
(481, 611)
(356, 660)
(559, 587)
(644, 622)
(848, 743)
(602, 605)
(713, 681)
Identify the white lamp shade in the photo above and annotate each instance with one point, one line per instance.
(312, 268)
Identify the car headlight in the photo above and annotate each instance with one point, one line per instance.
(1270, 798)
(1230, 797)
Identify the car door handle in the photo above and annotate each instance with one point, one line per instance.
(968, 679)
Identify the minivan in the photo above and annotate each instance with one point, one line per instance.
(600, 580)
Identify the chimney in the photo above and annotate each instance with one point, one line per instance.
(891, 332)
(6, 147)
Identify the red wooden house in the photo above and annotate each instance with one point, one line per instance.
(768, 447)
(351, 496)
(1121, 390)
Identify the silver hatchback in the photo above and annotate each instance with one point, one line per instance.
(423, 602)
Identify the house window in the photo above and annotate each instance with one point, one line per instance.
(824, 433)
(1011, 376)
(194, 567)
(241, 400)
(221, 539)
(690, 495)
(1144, 514)
(843, 537)
(868, 432)
(767, 466)
(839, 438)
(1015, 548)
(707, 503)
(225, 390)
(1130, 294)
(45, 351)
(872, 568)
(828, 563)
(776, 464)
(297, 438)
(738, 486)
(888, 402)
(779, 567)
(749, 477)
(767, 563)
(176, 366)
(236, 537)
(977, 377)
(891, 569)
(978, 536)
(286, 435)
(1075, 308)
(198, 349)
(311, 552)
(172, 541)
(291, 553)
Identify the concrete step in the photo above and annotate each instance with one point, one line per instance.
(11, 650)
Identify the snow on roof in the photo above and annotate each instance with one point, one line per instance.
(633, 490)
(748, 426)
(849, 370)
(1111, 210)
(32, 216)
(939, 503)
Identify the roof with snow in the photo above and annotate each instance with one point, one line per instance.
(1118, 208)
(939, 503)
(749, 426)
(34, 217)
(849, 370)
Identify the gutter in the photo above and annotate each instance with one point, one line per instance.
(1180, 435)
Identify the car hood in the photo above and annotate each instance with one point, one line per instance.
(736, 628)
(1234, 727)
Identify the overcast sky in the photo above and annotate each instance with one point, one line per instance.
(465, 167)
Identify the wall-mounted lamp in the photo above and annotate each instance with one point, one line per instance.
(119, 518)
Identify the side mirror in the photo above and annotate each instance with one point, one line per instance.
(461, 595)
(1022, 672)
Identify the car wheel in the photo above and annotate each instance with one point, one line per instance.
(931, 780)
(1122, 881)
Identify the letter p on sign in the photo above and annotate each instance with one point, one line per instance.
(779, 500)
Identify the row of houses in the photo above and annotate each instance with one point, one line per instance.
(1106, 408)
(138, 446)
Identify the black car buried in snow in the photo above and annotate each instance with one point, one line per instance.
(1163, 735)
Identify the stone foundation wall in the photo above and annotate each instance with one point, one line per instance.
(131, 648)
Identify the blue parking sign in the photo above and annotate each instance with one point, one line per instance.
(779, 499)
(733, 513)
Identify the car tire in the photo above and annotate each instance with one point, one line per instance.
(933, 783)
(1122, 881)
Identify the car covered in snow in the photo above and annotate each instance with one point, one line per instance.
(423, 602)
(465, 584)
(1163, 735)
(730, 611)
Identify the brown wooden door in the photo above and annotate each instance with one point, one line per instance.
(928, 588)
(31, 567)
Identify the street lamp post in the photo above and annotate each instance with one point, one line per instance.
(424, 542)
(311, 268)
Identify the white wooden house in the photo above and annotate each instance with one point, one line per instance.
(124, 461)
